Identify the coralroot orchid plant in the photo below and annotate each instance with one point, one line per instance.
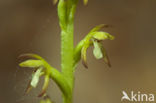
(70, 55)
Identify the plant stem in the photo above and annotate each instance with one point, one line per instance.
(67, 52)
(66, 11)
(67, 62)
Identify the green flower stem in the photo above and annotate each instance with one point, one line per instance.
(60, 81)
(70, 56)
(66, 11)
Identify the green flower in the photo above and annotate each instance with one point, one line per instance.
(94, 38)
(40, 70)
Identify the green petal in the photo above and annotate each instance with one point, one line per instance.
(102, 36)
(29, 87)
(45, 86)
(83, 55)
(97, 50)
(35, 77)
(97, 28)
(31, 63)
(105, 57)
(31, 55)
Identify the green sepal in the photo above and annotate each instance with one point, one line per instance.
(31, 55)
(105, 56)
(84, 55)
(97, 28)
(102, 36)
(45, 86)
(31, 63)
(29, 87)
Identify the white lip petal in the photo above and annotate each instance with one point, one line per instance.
(97, 50)
(35, 78)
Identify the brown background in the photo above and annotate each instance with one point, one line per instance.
(32, 26)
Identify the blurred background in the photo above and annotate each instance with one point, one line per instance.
(32, 26)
